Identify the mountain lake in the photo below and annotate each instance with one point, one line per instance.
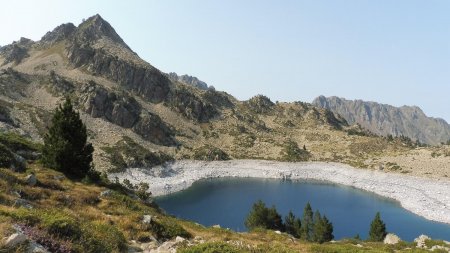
(227, 201)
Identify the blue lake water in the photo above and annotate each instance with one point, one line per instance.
(227, 201)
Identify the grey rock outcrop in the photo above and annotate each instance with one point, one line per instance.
(189, 80)
(119, 109)
(15, 239)
(16, 51)
(421, 241)
(31, 180)
(183, 101)
(385, 120)
(152, 128)
(260, 104)
(60, 33)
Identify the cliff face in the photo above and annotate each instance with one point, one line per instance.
(383, 119)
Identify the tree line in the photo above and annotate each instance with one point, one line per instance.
(312, 226)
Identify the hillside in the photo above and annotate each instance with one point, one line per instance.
(41, 210)
(385, 120)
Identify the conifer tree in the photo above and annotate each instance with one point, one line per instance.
(377, 231)
(257, 216)
(328, 231)
(65, 145)
(307, 222)
(274, 220)
(318, 228)
(289, 224)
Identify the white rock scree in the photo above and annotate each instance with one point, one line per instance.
(429, 198)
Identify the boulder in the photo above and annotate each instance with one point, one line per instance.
(391, 239)
(440, 248)
(421, 241)
(22, 203)
(15, 239)
(147, 219)
(106, 193)
(31, 180)
(179, 239)
(36, 248)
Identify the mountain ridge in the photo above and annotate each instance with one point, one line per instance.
(385, 119)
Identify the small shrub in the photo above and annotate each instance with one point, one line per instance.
(61, 225)
(168, 230)
(210, 153)
(99, 237)
(291, 152)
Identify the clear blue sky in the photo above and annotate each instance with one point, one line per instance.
(395, 52)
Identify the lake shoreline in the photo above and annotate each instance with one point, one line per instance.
(429, 198)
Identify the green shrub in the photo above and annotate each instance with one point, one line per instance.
(99, 237)
(60, 225)
(168, 229)
(16, 142)
(291, 152)
(6, 157)
(210, 153)
(141, 157)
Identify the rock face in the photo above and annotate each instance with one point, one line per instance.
(190, 105)
(60, 33)
(189, 80)
(385, 120)
(16, 51)
(152, 128)
(121, 109)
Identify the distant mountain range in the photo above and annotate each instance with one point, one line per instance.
(384, 119)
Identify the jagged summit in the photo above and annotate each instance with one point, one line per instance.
(95, 28)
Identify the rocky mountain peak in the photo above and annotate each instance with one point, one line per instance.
(95, 28)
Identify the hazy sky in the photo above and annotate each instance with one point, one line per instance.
(395, 52)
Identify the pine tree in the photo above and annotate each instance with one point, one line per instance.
(257, 216)
(274, 220)
(65, 145)
(322, 229)
(289, 224)
(318, 228)
(307, 222)
(328, 232)
(377, 231)
(297, 228)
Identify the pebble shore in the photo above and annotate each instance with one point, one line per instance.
(429, 198)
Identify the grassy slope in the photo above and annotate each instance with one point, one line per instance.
(74, 216)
